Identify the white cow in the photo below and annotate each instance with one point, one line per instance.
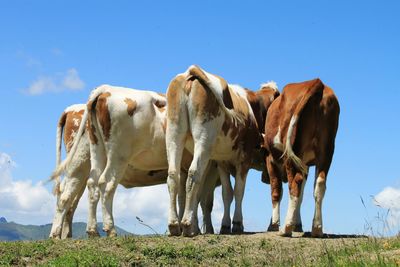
(126, 129)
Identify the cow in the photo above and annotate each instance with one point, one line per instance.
(123, 134)
(70, 190)
(300, 131)
(214, 121)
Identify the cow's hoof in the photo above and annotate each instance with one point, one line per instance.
(225, 230)
(174, 229)
(287, 232)
(66, 234)
(111, 233)
(317, 232)
(273, 227)
(283, 234)
(298, 228)
(190, 230)
(208, 230)
(237, 227)
(92, 233)
(54, 236)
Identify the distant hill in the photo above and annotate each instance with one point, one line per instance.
(11, 231)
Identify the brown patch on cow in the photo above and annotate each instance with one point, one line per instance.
(295, 183)
(265, 98)
(160, 104)
(103, 114)
(154, 172)
(72, 120)
(131, 106)
(174, 94)
(256, 105)
(204, 101)
(90, 127)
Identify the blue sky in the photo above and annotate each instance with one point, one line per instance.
(64, 49)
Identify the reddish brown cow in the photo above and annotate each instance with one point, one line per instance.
(300, 132)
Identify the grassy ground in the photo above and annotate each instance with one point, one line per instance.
(207, 250)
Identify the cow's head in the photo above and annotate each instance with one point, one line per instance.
(261, 100)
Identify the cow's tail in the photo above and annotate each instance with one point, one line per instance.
(213, 83)
(92, 98)
(60, 129)
(316, 88)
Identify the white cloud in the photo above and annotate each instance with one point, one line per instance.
(23, 201)
(72, 81)
(68, 81)
(389, 198)
(26, 202)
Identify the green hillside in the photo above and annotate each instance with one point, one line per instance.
(10, 231)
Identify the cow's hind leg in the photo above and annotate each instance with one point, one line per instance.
(67, 224)
(98, 161)
(181, 195)
(240, 183)
(325, 155)
(227, 197)
(175, 140)
(108, 182)
(204, 135)
(298, 226)
(64, 201)
(207, 202)
(296, 182)
(319, 192)
(207, 197)
(276, 194)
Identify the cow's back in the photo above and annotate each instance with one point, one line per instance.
(133, 123)
(316, 125)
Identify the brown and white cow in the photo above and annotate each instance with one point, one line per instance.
(70, 190)
(300, 132)
(214, 121)
(127, 146)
